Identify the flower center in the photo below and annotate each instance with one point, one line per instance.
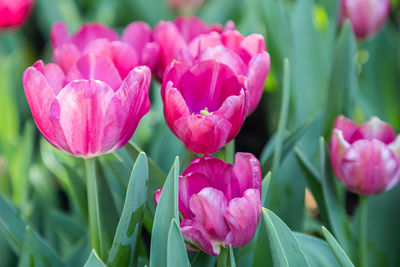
(205, 112)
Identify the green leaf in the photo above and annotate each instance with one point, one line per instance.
(125, 246)
(317, 251)
(201, 259)
(334, 206)
(94, 260)
(66, 226)
(344, 81)
(232, 257)
(167, 210)
(13, 227)
(176, 249)
(285, 249)
(340, 255)
(102, 212)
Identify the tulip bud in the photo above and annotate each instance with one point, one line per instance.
(90, 110)
(365, 158)
(14, 12)
(220, 203)
(366, 16)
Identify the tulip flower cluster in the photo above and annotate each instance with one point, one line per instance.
(366, 157)
(91, 99)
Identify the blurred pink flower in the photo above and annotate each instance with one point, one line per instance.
(134, 48)
(14, 12)
(366, 16)
(204, 104)
(190, 40)
(220, 202)
(366, 157)
(90, 110)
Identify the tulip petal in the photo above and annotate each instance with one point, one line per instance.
(189, 185)
(95, 67)
(243, 215)
(66, 56)
(91, 31)
(81, 108)
(59, 34)
(369, 166)
(150, 55)
(53, 74)
(348, 128)
(204, 41)
(130, 104)
(257, 72)
(173, 73)
(246, 174)
(338, 147)
(251, 46)
(225, 56)
(377, 129)
(175, 106)
(208, 207)
(190, 27)
(202, 134)
(233, 40)
(137, 34)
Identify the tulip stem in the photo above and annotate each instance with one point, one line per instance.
(93, 204)
(223, 255)
(363, 238)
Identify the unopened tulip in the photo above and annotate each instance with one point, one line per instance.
(204, 104)
(220, 203)
(134, 48)
(366, 16)
(191, 40)
(366, 157)
(90, 110)
(14, 12)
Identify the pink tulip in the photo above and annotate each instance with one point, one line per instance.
(90, 110)
(366, 157)
(192, 41)
(366, 16)
(204, 104)
(134, 48)
(14, 12)
(220, 203)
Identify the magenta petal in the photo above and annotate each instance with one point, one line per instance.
(124, 58)
(337, 147)
(40, 95)
(377, 129)
(348, 128)
(95, 67)
(101, 47)
(369, 167)
(204, 41)
(150, 55)
(202, 134)
(225, 56)
(233, 40)
(91, 31)
(173, 73)
(53, 74)
(66, 56)
(130, 104)
(252, 45)
(81, 108)
(190, 27)
(257, 72)
(189, 185)
(246, 174)
(59, 34)
(243, 215)
(208, 207)
(137, 34)
(197, 237)
(157, 196)
(175, 106)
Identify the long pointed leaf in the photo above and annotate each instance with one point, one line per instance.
(340, 255)
(176, 249)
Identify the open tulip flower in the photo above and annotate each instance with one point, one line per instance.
(90, 110)
(204, 104)
(366, 157)
(134, 48)
(191, 41)
(14, 12)
(220, 202)
(366, 16)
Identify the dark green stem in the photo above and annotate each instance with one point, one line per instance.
(223, 255)
(363, 233)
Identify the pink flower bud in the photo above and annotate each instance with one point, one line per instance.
(90, 110)
(366, 16)
(14, 12)
(366, 157)
(220, 202)
(204, 104)
(191, 40)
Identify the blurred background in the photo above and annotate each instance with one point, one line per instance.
(331, 74)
